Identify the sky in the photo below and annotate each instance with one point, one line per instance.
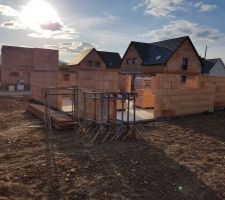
(75, 25)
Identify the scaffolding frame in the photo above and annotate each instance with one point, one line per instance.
(104, 125)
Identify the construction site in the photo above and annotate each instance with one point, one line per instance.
(99, 131)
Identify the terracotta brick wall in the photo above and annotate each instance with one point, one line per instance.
(91, 109)
(125, 82)
(219, 91)
(185, 51)
(72, 81)
(50, 79)
(21, 61)
(99, 80)
(174, 98)
(41, 80)
(45, 59)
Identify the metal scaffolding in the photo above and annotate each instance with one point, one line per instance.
(95, 113)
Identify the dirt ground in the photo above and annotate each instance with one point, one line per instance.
(182, 158)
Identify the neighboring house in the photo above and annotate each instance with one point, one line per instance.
(214, 67)
(174, 56)
(18, 63)
(94, 59)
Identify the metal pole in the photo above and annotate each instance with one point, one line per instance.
(134, 107)
(128, 109)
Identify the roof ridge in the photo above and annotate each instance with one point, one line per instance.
(160, 40)
(108, 52)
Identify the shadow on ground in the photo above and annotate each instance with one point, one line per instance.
(211, 124)
(130, 170)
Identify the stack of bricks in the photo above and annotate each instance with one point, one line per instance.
(144, 83)
(125, 82)
(91, 108)
(173, 98)
(98, 80)
(145, 98)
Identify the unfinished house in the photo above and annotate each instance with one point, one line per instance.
(174, 56)
(100, 100)
(18, 63)
(213, 67)
(96, 60)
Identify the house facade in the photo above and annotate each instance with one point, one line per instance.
(174, 56)
(93, 59)
(18, 63)
(214, 67)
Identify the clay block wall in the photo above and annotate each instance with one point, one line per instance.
(98, 80)
(185, 51)
(42, 79)
(125, 82)
(73, 79)
(45, 59)
(145, 98)
(143, 83)
(91, 109)
(18, 63)
(219, 91)
(173, 98)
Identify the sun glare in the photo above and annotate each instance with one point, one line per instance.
(38, 13)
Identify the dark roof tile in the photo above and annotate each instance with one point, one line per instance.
(158, 52)
(208, 64)
(111, 59)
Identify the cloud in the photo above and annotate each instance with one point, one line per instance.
(52, 29)
(8, 11)
(85, 23)
(72, 47)
(182, 27)
(203, 7)
(160, 8)
(12, 25)
(64, 33)
(52, 26)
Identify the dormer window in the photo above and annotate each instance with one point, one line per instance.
(158, 57)
(185, 64)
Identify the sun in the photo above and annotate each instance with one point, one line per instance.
(38, 13)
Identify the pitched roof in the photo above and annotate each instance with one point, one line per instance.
(159, 53)
(80, 56)
(111, 59)
(209, 64)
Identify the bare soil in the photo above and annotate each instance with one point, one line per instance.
(182, 158)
